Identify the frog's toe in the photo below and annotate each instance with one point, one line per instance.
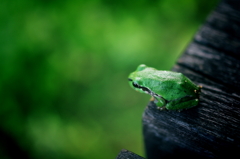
(152, 99)
(161, 108)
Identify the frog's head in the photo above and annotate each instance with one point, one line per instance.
(136, 80)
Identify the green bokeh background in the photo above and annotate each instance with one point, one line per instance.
(64, 92)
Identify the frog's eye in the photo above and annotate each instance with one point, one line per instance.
(141, 67)
(135, 85)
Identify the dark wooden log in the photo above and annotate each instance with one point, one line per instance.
(125, 154)
(211, 129)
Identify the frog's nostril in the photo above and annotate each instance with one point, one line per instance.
(129, 79)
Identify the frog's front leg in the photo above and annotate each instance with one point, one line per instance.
(185, 103)
(159, 101)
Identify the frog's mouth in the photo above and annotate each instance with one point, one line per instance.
(144, 89)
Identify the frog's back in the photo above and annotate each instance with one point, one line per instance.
(163, 76)
(169, 83)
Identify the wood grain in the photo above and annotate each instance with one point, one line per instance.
(125, 154)
(211, 129)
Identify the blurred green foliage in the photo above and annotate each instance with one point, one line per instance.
(64, 67)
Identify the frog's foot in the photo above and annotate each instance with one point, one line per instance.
(159, 101)
(160, 105)
(161, 108)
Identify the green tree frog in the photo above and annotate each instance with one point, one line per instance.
(170, 90)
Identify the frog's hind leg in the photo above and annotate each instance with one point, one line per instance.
(182, 105)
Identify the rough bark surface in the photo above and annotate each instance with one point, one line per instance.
(211, 129)
(125, 154)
